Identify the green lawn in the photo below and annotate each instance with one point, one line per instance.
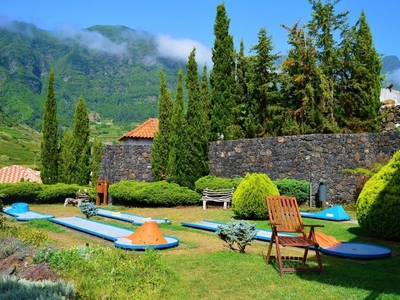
(201, 267)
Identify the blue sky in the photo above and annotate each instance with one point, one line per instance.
(182, 24)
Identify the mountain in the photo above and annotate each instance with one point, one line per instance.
(116, 70)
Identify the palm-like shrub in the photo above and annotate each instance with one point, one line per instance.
(248, 201)
(378, 205)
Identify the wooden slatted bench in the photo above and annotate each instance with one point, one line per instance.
(221, 195)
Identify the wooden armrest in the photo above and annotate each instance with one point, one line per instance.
(312, 226)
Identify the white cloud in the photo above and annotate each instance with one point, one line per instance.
(180, 49)
(92, 40)
(394, 77)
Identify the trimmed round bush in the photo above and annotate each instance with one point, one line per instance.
(378, 205)
(216, 183)
(248, 201)
(56, 193)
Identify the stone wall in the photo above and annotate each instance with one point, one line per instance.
(126, 162)
(390, 117)
(308, 157)
(316, 158)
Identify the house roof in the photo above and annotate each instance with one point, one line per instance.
(146, 130)
(12, 174)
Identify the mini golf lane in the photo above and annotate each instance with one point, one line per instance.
(112, 233)
(127, 217)
(21, 212)
(344, 249)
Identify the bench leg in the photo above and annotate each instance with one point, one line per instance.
(225, 204)
(204, 205)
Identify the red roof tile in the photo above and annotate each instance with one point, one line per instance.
(146, 130)
(15, 173)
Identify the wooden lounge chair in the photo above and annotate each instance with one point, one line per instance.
(284, 216)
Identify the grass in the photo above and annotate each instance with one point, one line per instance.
(201, 267)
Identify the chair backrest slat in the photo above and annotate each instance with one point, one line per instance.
(284, 211)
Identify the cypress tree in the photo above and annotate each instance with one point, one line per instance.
(68, 163)
(95, 163)
(81, 147)
(177, 156)
(265, 79)
(196, 119)
(222, 79)
(361, 80)
(160, 147)
(49, 146)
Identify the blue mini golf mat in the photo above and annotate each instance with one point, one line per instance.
(21, 212)
(110, 232)
(345, 249)
(127, 217)
(334, 213)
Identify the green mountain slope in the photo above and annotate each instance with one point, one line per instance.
(116, 70)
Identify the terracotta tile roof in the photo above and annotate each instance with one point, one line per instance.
(15, 173)
(146, 130)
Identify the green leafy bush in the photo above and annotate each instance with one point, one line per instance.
(160, 193)
(20, 192)
(295, 188)
(56, 193)
(378, 204)
(239, 233)
(89, 209)
(120, 274)
(248, 201)
(216, 183)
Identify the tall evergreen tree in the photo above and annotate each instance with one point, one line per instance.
(196, 119)
(50, 142)
(265, 79)
(322, 27)
(160, 147)
(82, 145)
(95, 162)
(67, 161)
(177, 156)
(360, 79)
(222, 78)
(304, 85)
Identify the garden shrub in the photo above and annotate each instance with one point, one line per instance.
(89, 209)
(294, 188)
(160, 193)
(20, 192)
(14, 288)
(56, 193)
(215, 183)
(378, 204)
(248, 201)
(237, 234)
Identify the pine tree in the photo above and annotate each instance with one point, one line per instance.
(81, 147)
(177, 156)
(160, 147)
(50, 142)
(196, 129)
(67, 160)
(222, 78)
(322, 27)
(304, 85)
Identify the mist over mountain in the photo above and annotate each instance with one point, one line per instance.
(116, 69)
